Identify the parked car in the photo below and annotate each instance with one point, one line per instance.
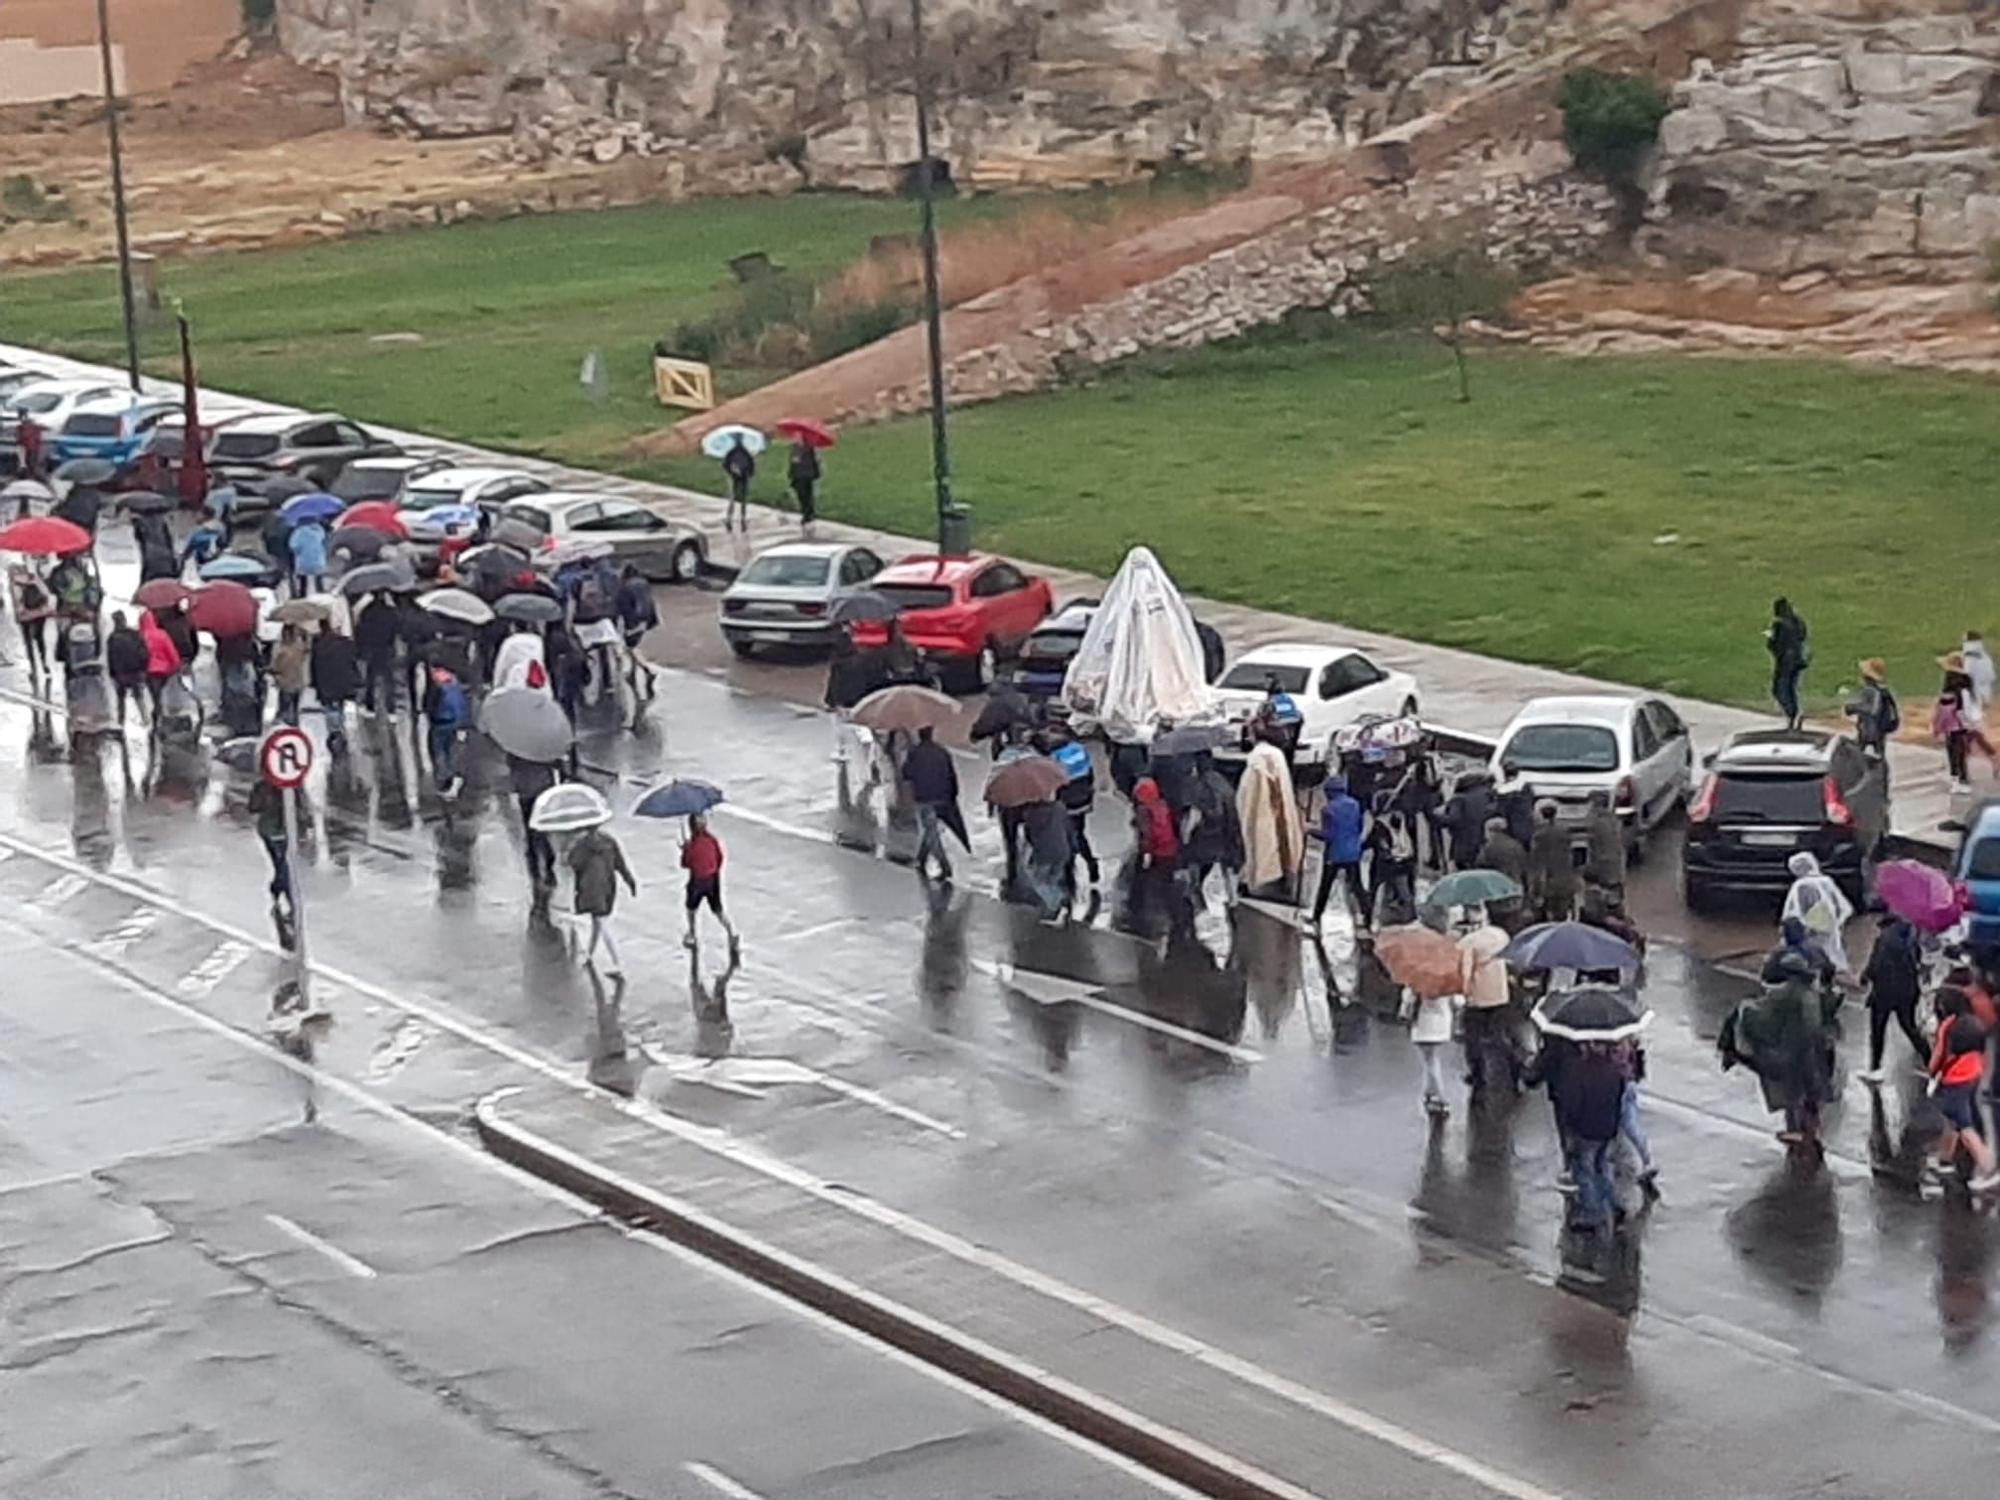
(966, 613)
(1332, 685)
(1044, 658)
(16, 377)
(113, 428)
(50, 403)
(661, 549)
(1773, 793)
(1977, 868)
(453, 492)
(1635, 750)
(366, 479)
(254, 450)
(786, 595)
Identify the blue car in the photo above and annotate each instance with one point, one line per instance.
(1978, 867)
(113, 428)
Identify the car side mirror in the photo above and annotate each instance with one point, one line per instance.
(1708, 761)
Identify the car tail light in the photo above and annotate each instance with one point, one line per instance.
(1703, 806)
(812, 611)
(1628, 795)
(1837, 810)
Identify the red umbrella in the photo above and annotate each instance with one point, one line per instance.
(806, 430)
(47, 535)
(161, 593)
(223, 609)
(379, 515)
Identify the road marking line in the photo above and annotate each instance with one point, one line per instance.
(221, 961)
(588, 1213)
(353, 1265)
(119, 939)
(720, 1482)
(722, 1144)
(1053, 989)
(868, 1096)
(57, 892)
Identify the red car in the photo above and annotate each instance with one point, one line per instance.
(963, 612)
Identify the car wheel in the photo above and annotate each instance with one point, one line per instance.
(685, 565)
(744, 649)
(1697, 894)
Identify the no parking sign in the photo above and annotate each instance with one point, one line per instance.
(286, 757)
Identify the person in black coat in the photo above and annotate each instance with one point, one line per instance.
(180, 630)
(336, 678)
(1894, 977)
(157, 557)
(417, 634)
(377, 631)
(1465, 816)
(125, 657)
(804, 474)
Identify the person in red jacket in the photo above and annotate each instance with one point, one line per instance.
(701, 857)
(1159, 841)
(163, 658)
(1958, 1062)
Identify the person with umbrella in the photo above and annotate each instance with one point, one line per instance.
(163, 658)
(155, 542)
(291, 663)
(377, 631)
(1894, 978)
(125, 658)
(1213, 835)
(1158, 842)
(701, 857)
(203, 546)
(416, 639)
(1587, 1086)
(336, 678)
(804, 474)
(598, 864)
(637, 614)
(932, 778)
(529, 779)
(1489, 1022)
(307, 545)
(179, 626)
(740, 464)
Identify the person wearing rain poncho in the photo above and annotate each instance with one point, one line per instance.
(1785, 1035)
(1821, 908)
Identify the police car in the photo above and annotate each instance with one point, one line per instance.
(1318, 688)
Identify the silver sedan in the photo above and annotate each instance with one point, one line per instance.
(786, 596)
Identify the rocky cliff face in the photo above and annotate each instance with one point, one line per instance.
(1840, 136)
(817, 90)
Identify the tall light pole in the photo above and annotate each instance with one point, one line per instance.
(954, 525)
(118, 196)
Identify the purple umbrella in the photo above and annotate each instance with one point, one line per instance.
(1921, 896)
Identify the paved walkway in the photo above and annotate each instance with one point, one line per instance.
(1467, 694)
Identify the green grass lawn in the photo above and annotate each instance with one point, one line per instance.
(1630, 518)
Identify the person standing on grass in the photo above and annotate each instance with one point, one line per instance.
(1873, 710)
(1949, 721)
(740, 464)
(804, 473)
(1790, 646)
(701, 857)
(598, 864)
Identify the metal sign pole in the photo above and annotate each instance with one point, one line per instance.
(301, 968)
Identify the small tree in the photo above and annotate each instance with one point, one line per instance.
(1440, 290)
(1610, 121)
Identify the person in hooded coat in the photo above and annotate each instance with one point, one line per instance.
(1894, 977)
(156, 548)
(291, 666)
(1786, 639)
(336, 678)
(1213, 839)
(377, 630)
(1821, 908)
(1552, 879)
(1465, 815)
(163, 658)
(1785, 1034)
(598, 863)
(1274, 838)
(125, 656)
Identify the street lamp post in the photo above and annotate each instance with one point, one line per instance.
(118, 196)
(954, 526)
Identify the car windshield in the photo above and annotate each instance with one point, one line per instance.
(1562, 748)
(39, 401)
(93, 424)
(787, 572)
(1059, 645)
(1984, 861)
(917, 595)
(245, 444)
(422, 499)
(362, 482)
(1253, 677)
(1796, 798)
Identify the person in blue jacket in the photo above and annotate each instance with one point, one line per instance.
(1343, 826)
(308, 545)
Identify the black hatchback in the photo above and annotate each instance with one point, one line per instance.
(1774, 793)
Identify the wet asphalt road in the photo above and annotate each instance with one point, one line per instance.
(1233, 1107)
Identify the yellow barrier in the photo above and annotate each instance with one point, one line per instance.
(683, 382)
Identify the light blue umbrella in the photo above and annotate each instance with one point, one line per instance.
(318, 506)
(442, 518)
(720, 441)
(677, 799)
(233, 565)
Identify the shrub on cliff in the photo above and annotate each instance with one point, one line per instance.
(1610, 119)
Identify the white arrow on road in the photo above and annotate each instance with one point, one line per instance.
(1053, 989)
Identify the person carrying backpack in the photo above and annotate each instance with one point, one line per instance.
(446, 709)
(1873, 710)
(637, 614)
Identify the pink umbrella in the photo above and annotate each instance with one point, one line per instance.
(1920, 895)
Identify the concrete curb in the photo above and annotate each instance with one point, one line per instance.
(935, 1344)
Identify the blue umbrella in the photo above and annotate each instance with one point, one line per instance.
(442, 518)
(234, 565)
(1570, 945)
(318, 506)
(677, 799)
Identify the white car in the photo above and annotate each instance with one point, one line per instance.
(51, 403)
(1333, 686)
(661, 549)
(1634, 750)
(786, 595)
(488, 489)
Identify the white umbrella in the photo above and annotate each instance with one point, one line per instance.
(457, 604)
(26, 489)
(569, 807)
(720, 441)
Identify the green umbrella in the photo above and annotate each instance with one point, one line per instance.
(1472, 888)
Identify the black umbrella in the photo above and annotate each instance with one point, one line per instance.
(395, 577)
(1003, 710)
(517, 534)
(362, 543)
(80, 507)
(90, 471)
(535, 609)
(865, 605)
(147, 503)
(1592, 1014)
(1191, 739)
